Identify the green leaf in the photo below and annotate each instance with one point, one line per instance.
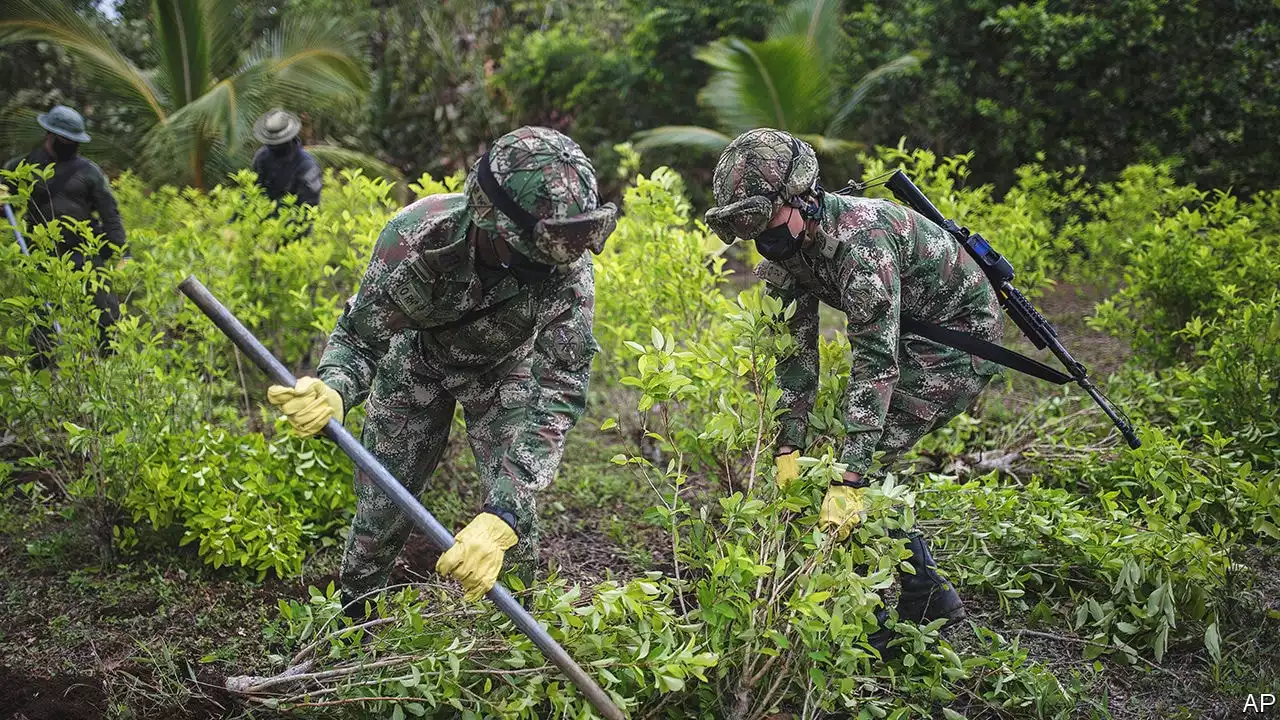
(1212, 642)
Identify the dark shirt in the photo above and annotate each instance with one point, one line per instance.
(295, 172)
(79, 190)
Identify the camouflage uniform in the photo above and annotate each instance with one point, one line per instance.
(411, 343)
(879, 263)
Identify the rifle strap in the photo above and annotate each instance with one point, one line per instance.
(974, 345)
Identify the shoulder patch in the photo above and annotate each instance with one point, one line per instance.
(827, 245)
(775, 275)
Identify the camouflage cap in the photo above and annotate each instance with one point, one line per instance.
(759, 171)
(554, 213)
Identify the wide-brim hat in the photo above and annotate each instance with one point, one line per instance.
(64, 122)
(277, 127)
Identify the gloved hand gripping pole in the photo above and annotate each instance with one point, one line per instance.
(439, 536)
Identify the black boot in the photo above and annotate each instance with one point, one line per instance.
(926, 596)
(360, 613)
(882, 636)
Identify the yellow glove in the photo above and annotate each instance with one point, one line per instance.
(476, 556)
(843, 508)
(307, 405)
(788, 469)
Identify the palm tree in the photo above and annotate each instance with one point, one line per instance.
(195, 106)
(787, 81)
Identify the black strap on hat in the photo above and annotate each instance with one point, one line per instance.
(501, 200)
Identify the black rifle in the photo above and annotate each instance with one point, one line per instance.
(998, 270)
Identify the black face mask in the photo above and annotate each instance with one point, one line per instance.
(523, 269)
(529, 272)
(778, 244)
(281, 150)
(64, 150)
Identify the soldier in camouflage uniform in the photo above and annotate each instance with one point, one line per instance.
(885, 267)
(483, 298)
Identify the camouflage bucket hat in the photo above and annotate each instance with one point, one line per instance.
(757, 173)
(537, 190)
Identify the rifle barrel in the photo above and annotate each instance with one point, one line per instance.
(1035, 326)
(442, 538)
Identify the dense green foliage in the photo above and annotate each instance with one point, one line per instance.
(1103, 85)
(1098, 88)
(1143, 555)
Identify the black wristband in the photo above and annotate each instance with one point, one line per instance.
(507, 516)
(861, 482)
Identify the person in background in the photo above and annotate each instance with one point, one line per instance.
(282, 166)
(78, 190)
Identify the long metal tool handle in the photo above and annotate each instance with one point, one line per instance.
(22, 245)
(442, 538)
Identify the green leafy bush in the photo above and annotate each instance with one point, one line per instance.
(755, 611)
(1133, 589)
(128, 437)
(1192, 266)
(574, 78)
(1103, 86)
(245, 500)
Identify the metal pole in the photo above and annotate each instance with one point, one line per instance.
(22, 245)
(442, 538)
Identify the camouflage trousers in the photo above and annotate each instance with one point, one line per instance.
(407, 420)
(935, 384)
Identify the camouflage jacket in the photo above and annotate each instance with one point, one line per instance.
(877, 262)
(423, 276)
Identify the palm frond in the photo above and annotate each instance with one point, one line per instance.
(226, 112)
(53, 21)
(681, 136)
(176, 153)
(817, 21)
(226, 26)
(893, 68)
(775, 83)
(339, 157)
(310, 62)
(182, 48)
(18, 129)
